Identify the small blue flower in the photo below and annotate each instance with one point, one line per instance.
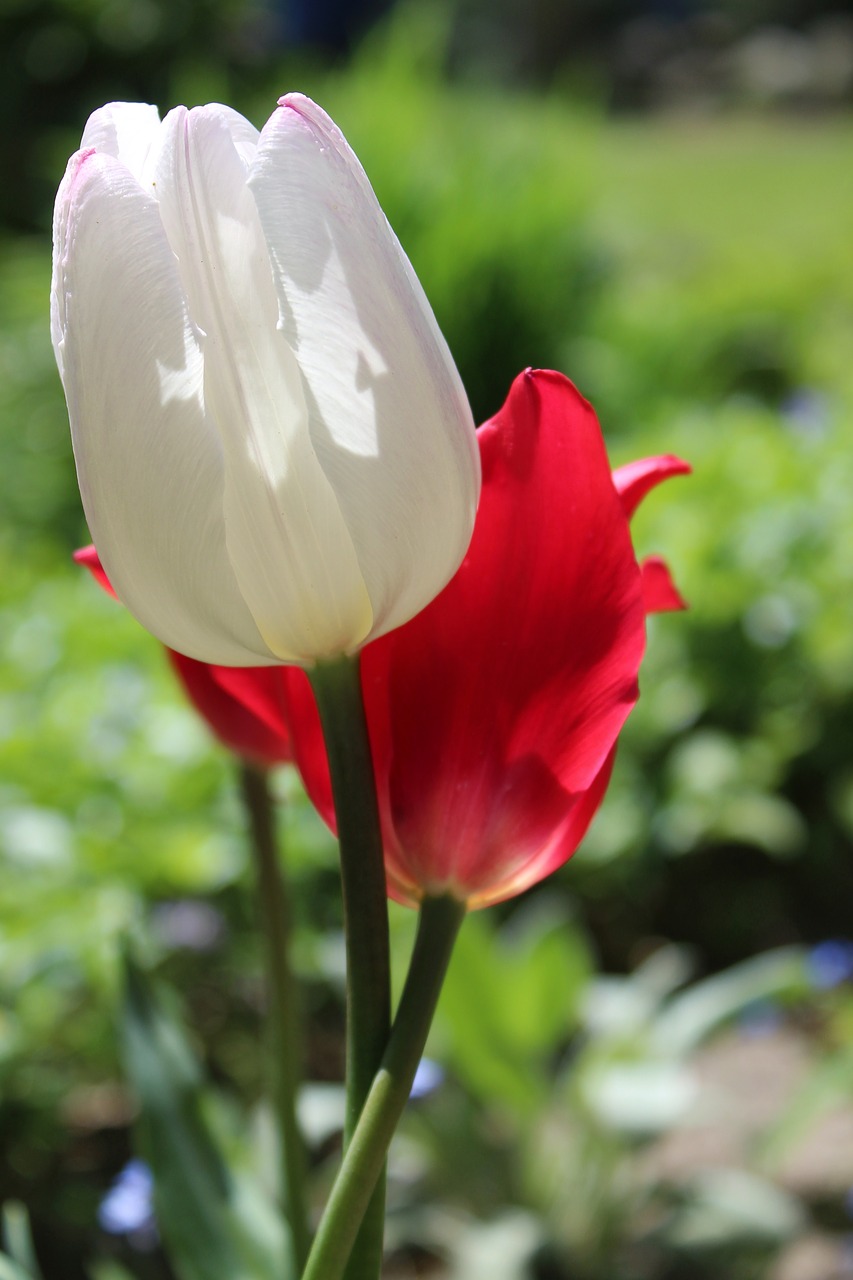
(831, 963)
(428, 1077)
(128, 1207)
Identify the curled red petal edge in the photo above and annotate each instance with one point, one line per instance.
(660, 594)
(633, 481)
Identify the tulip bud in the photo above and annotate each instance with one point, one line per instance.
(275, 453)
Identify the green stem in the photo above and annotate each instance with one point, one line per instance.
(439, 923)
(285, 1027)
(337, 689)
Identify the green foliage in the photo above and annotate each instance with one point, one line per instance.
(560, 1119)
(19, 1261)
(36, 485)
(216, 1222)
(18, 1239)
(9, 1270)
(59, 59)
(510, 998)
(489, 198)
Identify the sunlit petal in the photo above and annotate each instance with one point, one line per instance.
(388, 416)
(148, 458)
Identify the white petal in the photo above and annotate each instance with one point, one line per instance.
(124, 130)
(388, 414)
(291, 550)
(148, 459)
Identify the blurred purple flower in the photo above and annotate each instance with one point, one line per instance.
(831, 963)
(188, 925)
(806, 412)
(128, 1207)
(428, 1077)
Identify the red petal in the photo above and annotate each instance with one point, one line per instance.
(636, 479)
(492, 712)
(244, 706)
(309, 749)
(89, 558)
(660, 593)
(562, 844)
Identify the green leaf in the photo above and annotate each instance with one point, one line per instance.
(691, 1016)
(109, 1269)
(215, 1225)
(726, 1207)
(511, 997)
(640, 1098)
(18, 1239)
(10, 1270)
(547, 966)
(498, 1250)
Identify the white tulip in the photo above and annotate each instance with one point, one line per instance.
(275, 453)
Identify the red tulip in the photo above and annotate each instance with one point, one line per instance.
(494, 713)
(242, 705)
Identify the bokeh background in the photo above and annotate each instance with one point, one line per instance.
(643, 1070)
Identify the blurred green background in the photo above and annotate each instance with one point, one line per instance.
(646, 1063)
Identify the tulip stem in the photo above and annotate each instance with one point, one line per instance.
(439, 923)
(285, 1031)
(337, 689)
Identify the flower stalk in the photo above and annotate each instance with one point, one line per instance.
(285, 1030)
(337, 690)
(438, 926)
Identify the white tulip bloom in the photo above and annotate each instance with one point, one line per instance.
(275, 453)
